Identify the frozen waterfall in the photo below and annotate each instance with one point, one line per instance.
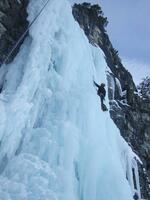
(56, 143)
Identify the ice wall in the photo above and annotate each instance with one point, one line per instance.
(56, 143)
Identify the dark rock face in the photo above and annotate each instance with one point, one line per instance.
(129, 111)
(12, 24)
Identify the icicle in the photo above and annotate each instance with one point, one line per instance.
(118, 87)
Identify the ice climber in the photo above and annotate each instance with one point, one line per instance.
(101, 93)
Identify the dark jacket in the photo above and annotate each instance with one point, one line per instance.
(101, 89)
(136, 197)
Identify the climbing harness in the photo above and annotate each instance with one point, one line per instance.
(24, 34)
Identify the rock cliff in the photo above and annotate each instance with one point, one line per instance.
(129, 110)
(12, 24)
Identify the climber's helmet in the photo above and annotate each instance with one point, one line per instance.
(103, 84)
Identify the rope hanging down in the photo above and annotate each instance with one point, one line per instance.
(24, 34)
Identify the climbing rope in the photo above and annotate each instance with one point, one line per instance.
(24, 34)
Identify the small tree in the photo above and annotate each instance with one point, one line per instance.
(85, 4)
(97, 9)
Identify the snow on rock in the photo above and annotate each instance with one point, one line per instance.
(144, 88)
(56, 143)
